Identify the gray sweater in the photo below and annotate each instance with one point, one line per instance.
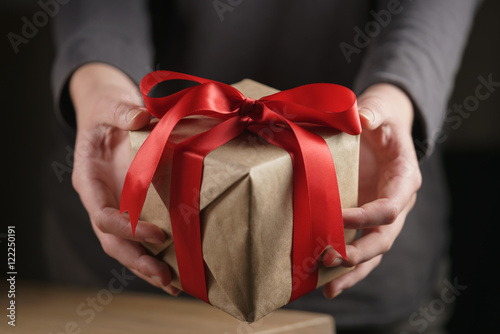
(416, 45)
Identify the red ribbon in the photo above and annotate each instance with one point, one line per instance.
(317, 216)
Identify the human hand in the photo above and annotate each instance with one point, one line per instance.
(107, 105)
(389, 177)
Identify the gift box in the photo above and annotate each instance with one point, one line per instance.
(246, 212)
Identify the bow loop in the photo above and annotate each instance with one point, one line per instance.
(323, 104)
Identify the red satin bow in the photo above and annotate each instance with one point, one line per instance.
(317, 216)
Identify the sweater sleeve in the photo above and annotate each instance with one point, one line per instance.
(116, 32)
(419, 51)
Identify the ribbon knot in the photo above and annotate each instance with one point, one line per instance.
(248, 107)
(317, 215)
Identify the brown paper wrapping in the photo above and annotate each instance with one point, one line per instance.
(246, 213)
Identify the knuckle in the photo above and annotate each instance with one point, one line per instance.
(75, 181)
(374, 103)
(101, 220)
(392, 212)
(413, 200)
(361, 220)
(119, 112)
(108, 250)
(354, 258)
(76, 175)
(385, 244)
(140, 265)
(364, 217)
(385, 247)
(418, 180)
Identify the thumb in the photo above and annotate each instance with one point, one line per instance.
(385, 103)
(128, 116)
(371, 111)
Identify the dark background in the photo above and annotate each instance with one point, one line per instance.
(33, 142)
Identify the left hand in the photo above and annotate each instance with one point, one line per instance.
(389, 177)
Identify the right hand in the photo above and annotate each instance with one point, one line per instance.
(107, 105)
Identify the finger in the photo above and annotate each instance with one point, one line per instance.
(331, 258)
(400, 174)
(109, 220)
(126, 115)
(135, 257)
(151, 280)
(374, 241)
(398, 180)
(101, 205)
(398, 185)
(170, 289)
(132, 255)
(372, 112)
(349, 279)
(382, 211)
(377, 103)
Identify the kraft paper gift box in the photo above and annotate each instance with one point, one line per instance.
(246, 212)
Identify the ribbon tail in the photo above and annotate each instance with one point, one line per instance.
(143, 167)
(316, 203)
(325, 206)
(139, 177)
(184, 207)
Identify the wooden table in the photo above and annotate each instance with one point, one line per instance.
(48, 309)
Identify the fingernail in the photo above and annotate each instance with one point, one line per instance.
(337, 261)
(172, 290)
(157, 280)
(367, 114)
(337, 293)
(334, 295)
(133, 114)
(154, 240)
